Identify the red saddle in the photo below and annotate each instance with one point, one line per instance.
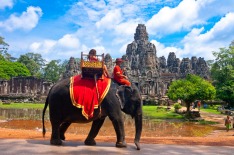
(83, 93)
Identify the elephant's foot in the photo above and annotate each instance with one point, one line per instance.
(138, 145)
(56, 142)
(62, 137)
(90, 142)
(121, 144)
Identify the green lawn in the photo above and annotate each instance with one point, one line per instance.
(211, 109)
(155, 113)
(22, 106)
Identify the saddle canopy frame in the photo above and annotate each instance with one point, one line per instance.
(91, 69)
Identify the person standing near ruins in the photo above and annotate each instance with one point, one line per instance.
(118, 74)
(228, 123)
(198, 105)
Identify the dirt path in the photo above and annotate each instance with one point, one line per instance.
(217, 138)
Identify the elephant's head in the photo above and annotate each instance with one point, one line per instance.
(131, 103)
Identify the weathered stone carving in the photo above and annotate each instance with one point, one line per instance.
(109, 64)
(202, 68)
(170, 61)
(143, 62)
(162, 63)
(185, 67)
(72, 68)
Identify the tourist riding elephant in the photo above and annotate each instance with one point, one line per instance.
(119, 98)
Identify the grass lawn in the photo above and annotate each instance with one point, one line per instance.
(211, 109)
(22, 106)
(160, 113)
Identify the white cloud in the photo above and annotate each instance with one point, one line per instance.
(197, 43)
(123, 49)
(26, 21)
(127, 28)
(110, 20)
(187, 14)
(100, 49)
(170, 20)
(62, 48)
(42, 47)
(162, 50)
(69, 41)
(6, 4)
(202, 44)
(212, 8)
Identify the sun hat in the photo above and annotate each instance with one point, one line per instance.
(118, 60)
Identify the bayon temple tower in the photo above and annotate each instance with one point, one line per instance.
(153, 75)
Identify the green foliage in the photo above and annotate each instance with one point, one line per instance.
(34, 62)
(11, 69)
(222, 73)
(53, 71)
(4, 55)
(191, 89)
(177, 106)
(2, 42)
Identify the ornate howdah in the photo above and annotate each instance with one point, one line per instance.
(90, 69)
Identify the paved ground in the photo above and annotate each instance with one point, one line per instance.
(33, 147)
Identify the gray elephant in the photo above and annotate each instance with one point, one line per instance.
(119, 98)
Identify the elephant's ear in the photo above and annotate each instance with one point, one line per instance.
(122, 93)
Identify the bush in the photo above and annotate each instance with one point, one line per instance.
(149, 102)
(177, 106)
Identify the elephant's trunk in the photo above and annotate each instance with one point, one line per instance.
(138, 126)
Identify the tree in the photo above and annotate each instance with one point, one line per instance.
(32, 66)
(34, 62)
(222, 72)
(53, 70)
(12, 69)
(3, 44)
(190, 89)
(37, 58)
(4, 55)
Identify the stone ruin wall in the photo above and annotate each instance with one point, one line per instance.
(24, 89)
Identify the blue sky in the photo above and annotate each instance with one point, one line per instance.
(59, 29)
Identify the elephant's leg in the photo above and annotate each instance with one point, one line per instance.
(119, 129)
(96, 125)
(63, 128)
(55, 136)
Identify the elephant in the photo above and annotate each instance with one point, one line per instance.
(118, 99)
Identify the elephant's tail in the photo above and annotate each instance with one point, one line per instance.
(43, 117)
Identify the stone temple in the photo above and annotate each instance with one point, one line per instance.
(150, 73)
(153, 74)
